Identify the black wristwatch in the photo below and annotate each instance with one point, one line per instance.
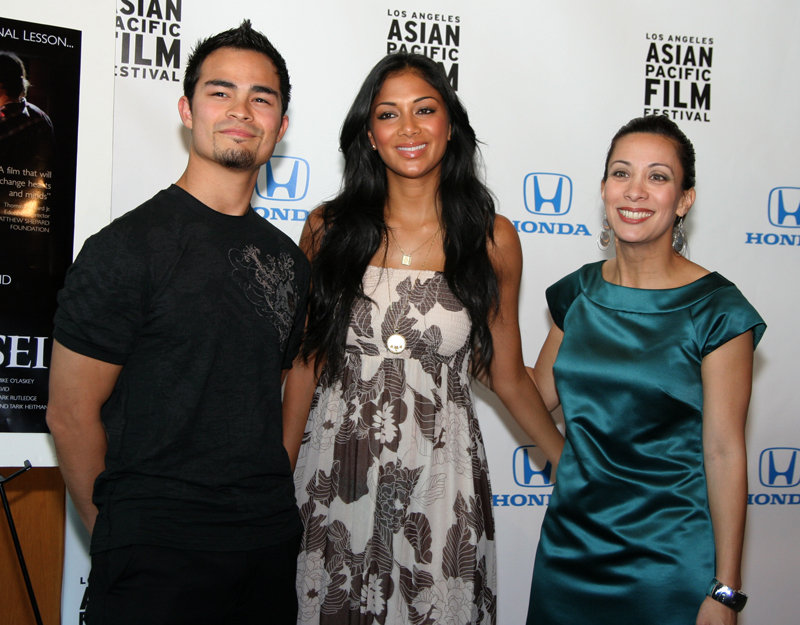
(726, 595)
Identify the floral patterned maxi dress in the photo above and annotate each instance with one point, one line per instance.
(392, 481)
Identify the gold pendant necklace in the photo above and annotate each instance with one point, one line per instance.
(396, 342)
(406, 256)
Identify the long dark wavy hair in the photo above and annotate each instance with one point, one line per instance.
(353, 226)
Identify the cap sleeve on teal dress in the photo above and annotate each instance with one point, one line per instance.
(561, 295)
(724, 316)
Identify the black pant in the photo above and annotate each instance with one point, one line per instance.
(141, 584)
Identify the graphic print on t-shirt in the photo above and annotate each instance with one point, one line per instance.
(268, 284)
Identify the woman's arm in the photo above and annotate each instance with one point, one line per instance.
(509, 379)
(542, 372)
(298, 391)
(301, 380)
(727, 375)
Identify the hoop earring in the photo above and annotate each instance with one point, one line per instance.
(605, 236)
(679, 237)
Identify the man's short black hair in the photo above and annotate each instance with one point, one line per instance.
(242, 37)
(13, 77)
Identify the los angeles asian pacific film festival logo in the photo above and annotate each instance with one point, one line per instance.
(149, 40)
(435, 35)
(677, 76)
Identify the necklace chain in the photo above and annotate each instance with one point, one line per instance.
(396, 343)
(406, 256)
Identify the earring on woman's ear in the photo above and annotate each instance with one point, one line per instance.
(605, 236)
(679, 237)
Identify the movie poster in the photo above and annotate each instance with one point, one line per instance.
(39, 84)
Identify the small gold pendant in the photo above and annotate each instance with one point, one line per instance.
(396, 343)
(406, 260)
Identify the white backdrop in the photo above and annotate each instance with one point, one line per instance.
(546, 85)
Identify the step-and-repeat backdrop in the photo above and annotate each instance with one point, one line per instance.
(546, 85)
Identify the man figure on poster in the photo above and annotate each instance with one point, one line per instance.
(26, 132)
(175, 327)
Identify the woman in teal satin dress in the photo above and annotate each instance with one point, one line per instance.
(650, 357)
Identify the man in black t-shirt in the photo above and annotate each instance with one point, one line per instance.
(175, 327)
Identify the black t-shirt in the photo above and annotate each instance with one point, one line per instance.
(204, 311)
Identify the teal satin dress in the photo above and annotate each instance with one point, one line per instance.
(627, 538)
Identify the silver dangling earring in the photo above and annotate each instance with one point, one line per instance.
(605, 236)
(679, 237)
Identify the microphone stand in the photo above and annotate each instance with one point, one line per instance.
(15, 538)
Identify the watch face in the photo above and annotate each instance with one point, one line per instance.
(725, 593)
(729, 597)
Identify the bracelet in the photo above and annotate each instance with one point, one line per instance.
(727, 596)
